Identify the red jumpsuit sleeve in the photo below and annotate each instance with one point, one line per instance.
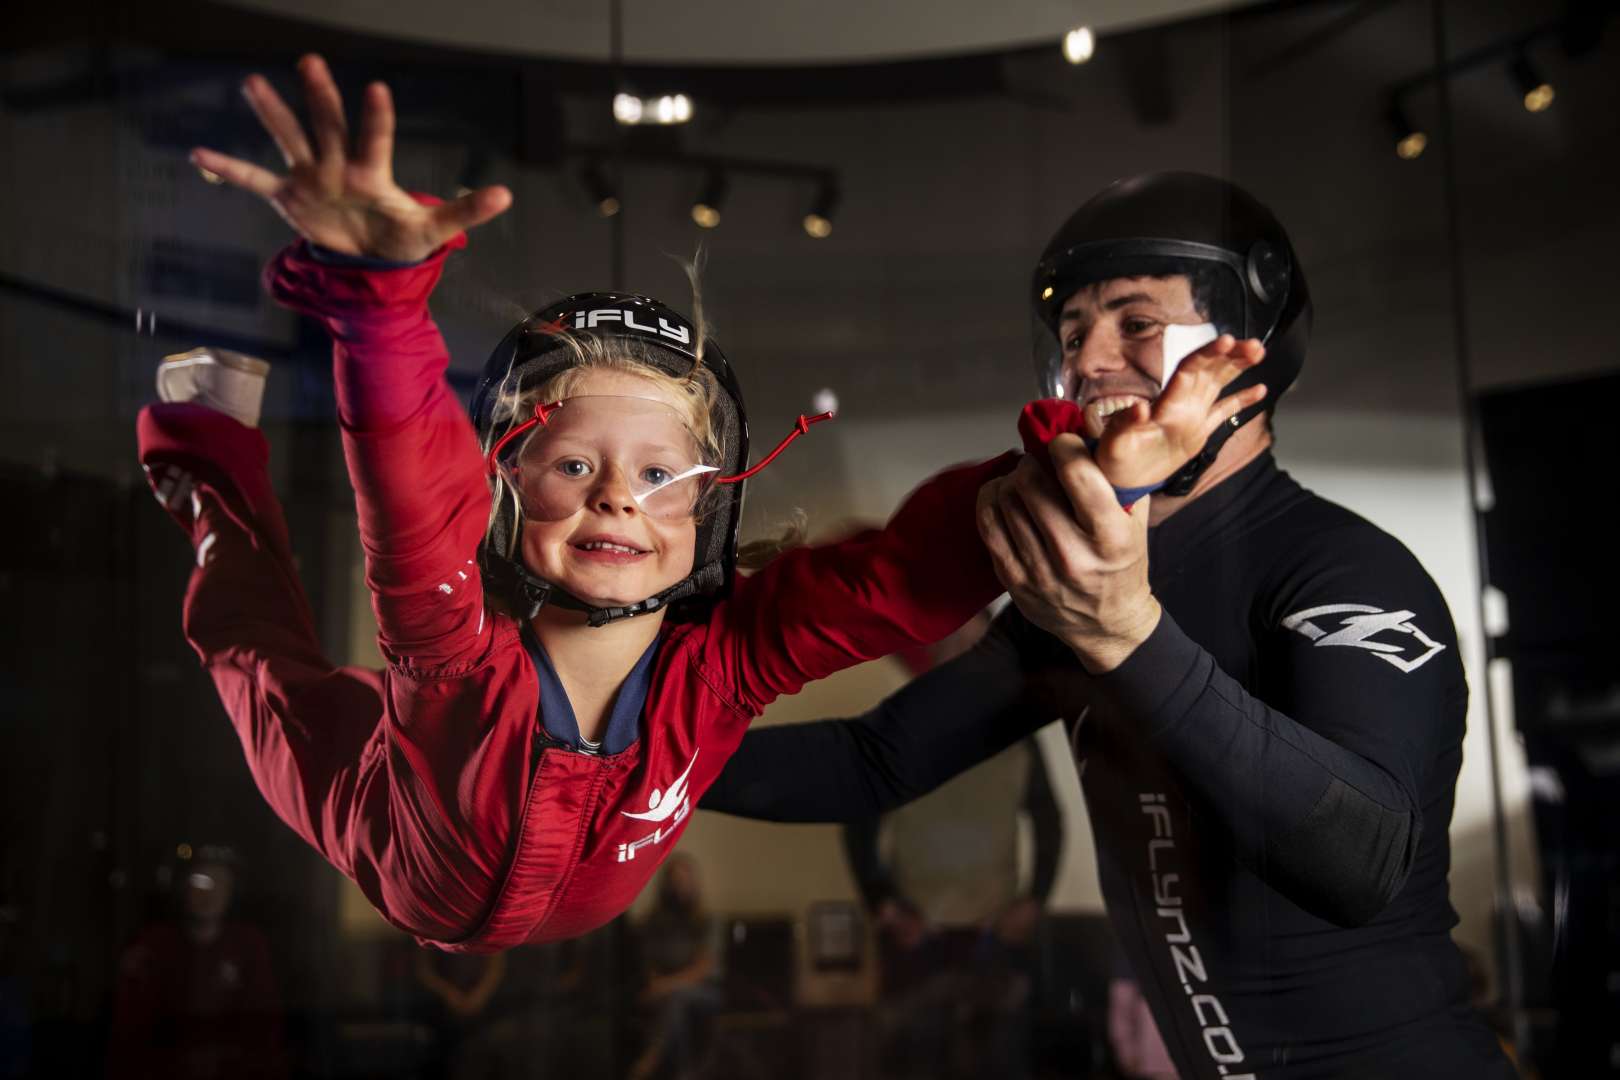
(816, 610)
(412, 455)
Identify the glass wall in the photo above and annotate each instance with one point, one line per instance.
(874, 218)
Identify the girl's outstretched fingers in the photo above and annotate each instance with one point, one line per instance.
(278, 120)
(326, 117)
(470, 210)
(235, 172)
(374, 148)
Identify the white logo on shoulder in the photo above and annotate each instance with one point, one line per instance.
(671, 806)
(1360, 627)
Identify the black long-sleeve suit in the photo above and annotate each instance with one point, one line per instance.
(1270, 778)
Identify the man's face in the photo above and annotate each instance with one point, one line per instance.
(1112, 334)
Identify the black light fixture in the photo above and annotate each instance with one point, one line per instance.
(1535, 90)
(706, 207)
(600, 189)
(818, 222)
(1410, 140)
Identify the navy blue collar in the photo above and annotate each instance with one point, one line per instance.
(557, 712)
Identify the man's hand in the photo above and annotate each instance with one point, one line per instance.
(342, 197)
(1146, 443)
(1073, 562)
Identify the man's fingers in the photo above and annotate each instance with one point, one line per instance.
(236, 172)
(996, 541)
(470, 211)
(278, 120)
(1026, 538)
(375, 147)
(325, 111)
(1089, 493)
(1066, 547)
(1096, 506)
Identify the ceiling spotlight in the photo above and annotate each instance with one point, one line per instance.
(629, 110)
(1410, 141)
(1079, 44)
(673, 109)
(706, 207)
(1537, 91)
(818, 222)
(600, 189)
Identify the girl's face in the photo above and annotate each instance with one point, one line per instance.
(608, 533)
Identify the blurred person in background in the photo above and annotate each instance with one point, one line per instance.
(680, 943)
(941, 877)
(196, 995)
(461, 990)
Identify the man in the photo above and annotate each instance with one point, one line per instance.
(1263, 691)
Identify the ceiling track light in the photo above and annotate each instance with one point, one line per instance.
(1410, 140)
(818, 223)
(706, 207)
(1535, 91)
(1079, 45)
(600, 189)
(631, 110)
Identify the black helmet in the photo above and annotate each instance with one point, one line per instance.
(1244, 269)
(534, 351)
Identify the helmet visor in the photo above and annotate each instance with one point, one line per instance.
(1149, 313)
(617, 451)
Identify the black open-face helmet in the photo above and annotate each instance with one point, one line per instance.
(1245, 275)
(536, 350)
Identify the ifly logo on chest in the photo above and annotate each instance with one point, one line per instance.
(668, 808)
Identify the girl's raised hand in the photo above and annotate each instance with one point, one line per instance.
(340, 193)
(1146, 444)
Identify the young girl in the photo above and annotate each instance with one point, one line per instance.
(521, 767)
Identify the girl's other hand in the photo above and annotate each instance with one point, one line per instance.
(340, 193)
(1147, 443)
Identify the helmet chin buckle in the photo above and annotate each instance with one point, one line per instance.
(527, 594)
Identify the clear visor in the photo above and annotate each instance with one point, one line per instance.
(608, 450)
(1136, 325)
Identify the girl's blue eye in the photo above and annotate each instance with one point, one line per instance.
(573, 467)
(656, 475)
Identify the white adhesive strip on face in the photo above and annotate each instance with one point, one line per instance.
(1181, 342)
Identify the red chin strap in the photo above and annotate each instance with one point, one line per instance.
(544, 409)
